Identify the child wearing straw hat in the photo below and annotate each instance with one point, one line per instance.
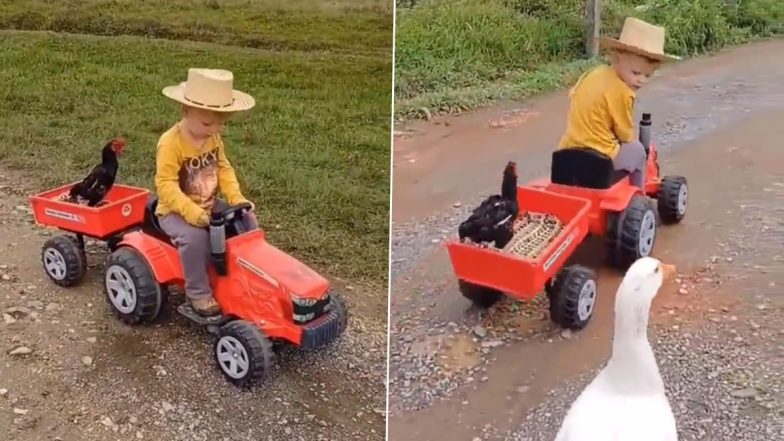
(191, 167)
(602, 101)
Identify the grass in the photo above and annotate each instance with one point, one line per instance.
(348, 26)
(313, 154)
(456, 55)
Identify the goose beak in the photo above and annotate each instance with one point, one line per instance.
(667, 270)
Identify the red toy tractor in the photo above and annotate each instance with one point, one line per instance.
(584, 195)
(265, 295)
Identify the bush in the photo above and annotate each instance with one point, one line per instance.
(459, 43)
(693, 26)
(760, 17)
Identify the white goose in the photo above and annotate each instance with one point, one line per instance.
(626, 401)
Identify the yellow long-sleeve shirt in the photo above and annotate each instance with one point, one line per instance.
(187, 179)
(600, 114)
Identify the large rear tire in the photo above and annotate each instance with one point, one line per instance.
(631, 234)
(130, 287)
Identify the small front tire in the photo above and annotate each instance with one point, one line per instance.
(479, 295)
(573, 297)
(672, 199)
(130, 287)
(64, 260)
(243, 353)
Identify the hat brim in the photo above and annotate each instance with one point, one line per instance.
(241, 100)
(612, 43)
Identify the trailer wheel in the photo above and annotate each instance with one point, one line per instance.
(573, 297)
(480, 296)
(631, 233)
(64, 260)
(130, 287)
(672, 198)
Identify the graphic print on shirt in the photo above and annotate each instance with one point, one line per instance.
(199, 178)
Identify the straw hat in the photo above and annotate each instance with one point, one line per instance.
(641, 38)
(211, 89)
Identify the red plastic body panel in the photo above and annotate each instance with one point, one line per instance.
(581, 210)
(524, 278)
(601, 202)
(124, 210)
(258, 287)
(652, 178)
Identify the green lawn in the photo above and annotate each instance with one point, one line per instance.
(349, 26)
(313, 154)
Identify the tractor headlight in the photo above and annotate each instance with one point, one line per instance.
(303, 302)
(307, 309)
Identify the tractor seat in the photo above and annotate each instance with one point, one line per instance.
(151, 221)
(584, 167)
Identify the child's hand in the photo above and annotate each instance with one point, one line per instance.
(204, 219)
(245, 201)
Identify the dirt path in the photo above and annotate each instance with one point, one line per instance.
(88, 377)
(460, 374)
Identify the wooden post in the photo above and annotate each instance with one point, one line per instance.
(593, 24)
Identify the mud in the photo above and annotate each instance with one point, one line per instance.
(716, 121)
(89, 377)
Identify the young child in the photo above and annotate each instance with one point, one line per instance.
(191, 166)
(602, 101)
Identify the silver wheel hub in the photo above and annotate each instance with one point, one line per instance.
(232, 357)
(683, 196)
(120, 288)
(586, 300)
(647, 233)
(54, 263)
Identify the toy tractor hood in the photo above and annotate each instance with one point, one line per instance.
(279, 269)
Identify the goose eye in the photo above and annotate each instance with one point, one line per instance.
(657, 269)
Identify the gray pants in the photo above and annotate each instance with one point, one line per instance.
(193, 244)
(631, 157)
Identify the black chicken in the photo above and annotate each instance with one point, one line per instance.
(493, 220)
(97, 184)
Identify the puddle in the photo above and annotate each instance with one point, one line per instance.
(459, 352)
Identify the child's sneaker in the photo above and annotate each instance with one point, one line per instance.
(205, 306)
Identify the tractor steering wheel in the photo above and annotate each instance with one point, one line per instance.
(233, 215)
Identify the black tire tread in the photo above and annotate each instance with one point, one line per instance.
(75, 259)
(258, 346)
(340, 305)
(623, 233)
(149, 295)
(565, 296)
(667, 198)
(480, 296)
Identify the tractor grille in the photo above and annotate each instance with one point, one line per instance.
(324, 329)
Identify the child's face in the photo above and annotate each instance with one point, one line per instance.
(635, 70)
(203, 123)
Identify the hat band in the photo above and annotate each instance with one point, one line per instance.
(215, 106)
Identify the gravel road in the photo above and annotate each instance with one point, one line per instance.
(457, 372)
(69, 371)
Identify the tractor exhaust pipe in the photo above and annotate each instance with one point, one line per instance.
(645, 132)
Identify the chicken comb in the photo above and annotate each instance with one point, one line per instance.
(118, 142)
